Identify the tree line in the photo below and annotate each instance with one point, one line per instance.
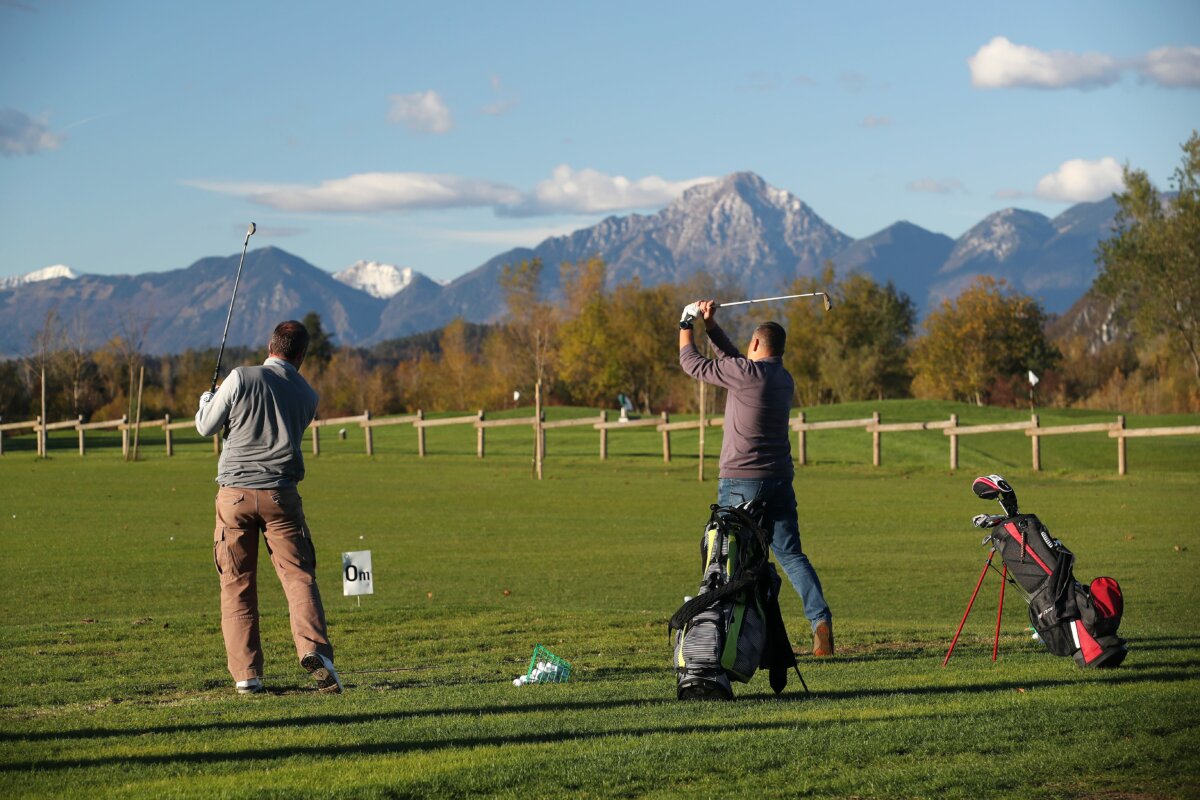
(593, 342)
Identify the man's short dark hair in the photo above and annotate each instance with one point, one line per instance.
(773, 337)
(289, 339)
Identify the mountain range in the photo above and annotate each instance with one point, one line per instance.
(738, 230)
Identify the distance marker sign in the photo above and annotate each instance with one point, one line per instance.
(357, 576)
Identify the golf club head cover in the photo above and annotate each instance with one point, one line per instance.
(994, 487)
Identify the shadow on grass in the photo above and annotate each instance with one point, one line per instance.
(553, 737)
(1145, 674)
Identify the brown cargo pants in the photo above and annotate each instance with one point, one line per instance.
(279, 515)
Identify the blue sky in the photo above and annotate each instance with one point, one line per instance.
(141, 136)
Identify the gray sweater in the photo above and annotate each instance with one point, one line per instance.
(756, 442)
(268, 408)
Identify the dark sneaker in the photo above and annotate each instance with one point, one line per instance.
(249, 686)
(322, 671)
(823, 639)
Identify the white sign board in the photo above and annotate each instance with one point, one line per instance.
(357, 576)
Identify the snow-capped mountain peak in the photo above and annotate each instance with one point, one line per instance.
(376, 279)
(43, 274)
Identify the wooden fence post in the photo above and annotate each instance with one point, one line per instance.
(368, 433)
(167, 435)
(479, 443)
(316, 438)
(603, 436)
(216, 444)
(537, 429)
(43, 443)
(953, 443)
(137, 424)
(876, 442)
(1122, 464)
(1037, 447)
(802, 439)
(125, 436)
(37, 433)
(420, 434)
(666, 418)
(79, 427)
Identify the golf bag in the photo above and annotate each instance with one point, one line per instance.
(733, 625)
(1071, 619)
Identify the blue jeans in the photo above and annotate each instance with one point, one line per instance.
(779, 519)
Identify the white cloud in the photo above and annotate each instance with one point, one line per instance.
(1003, 64)
(567, 191)
(421, 112)
(936, 186)
(588, 191)
(21, 135)
(372, 191)
(1000, 63)
(1172, 67)
(877, 122)
(1079, 181)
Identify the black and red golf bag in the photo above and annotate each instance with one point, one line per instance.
(1071, 619)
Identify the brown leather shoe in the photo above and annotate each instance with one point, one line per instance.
(823, 639)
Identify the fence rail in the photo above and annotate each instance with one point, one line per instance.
(873, 425)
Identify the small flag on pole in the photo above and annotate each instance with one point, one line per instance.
(1033, 379)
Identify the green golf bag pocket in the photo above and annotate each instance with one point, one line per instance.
(746, 635)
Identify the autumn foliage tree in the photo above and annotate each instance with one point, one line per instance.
(857, 350)
(1151, 266)
(984, 335)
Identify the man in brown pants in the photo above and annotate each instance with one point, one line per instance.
(264, 411)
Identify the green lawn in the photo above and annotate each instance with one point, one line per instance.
(114, 670)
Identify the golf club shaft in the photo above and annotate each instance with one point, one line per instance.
(781, 297)
(232, 300)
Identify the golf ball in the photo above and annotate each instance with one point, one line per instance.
(516, 681)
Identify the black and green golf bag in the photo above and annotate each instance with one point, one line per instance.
(733, 625)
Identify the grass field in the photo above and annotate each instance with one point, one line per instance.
(114, 671)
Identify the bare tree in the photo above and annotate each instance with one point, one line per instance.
(132, 326)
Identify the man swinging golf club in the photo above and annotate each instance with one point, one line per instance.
(756, 450)
(265, 410)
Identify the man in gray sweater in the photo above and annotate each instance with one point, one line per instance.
(264, 411)
(756, 450)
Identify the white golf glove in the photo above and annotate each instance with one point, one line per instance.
(205, 399)
(690, 312)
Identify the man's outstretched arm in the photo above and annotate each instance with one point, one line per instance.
(724, 371)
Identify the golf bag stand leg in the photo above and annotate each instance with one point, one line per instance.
(986, 566)
(999, 613)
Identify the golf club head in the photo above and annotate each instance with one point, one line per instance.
(826, 301)
(250, 231)
(994, 487)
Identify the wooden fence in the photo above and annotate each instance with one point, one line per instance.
(662, 424)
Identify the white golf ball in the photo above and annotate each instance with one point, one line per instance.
(516, 681)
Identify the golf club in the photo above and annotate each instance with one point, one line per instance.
(994, 487)
(229, 316)
(824, 298)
